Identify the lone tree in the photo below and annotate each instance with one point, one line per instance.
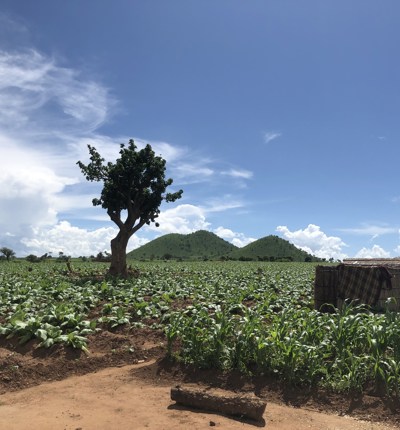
(134, 188)
(7, 252)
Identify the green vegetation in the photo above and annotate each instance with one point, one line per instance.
(272, 248)
(204, 245)
(7, 253)
(195, 246)
(256, 317)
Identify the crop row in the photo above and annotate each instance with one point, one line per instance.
(255, 317)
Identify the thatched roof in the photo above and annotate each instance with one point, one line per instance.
(387, 262)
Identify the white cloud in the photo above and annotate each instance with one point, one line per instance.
(37, 164)
(315, 241)
(222, 204)
(192, 172)
(236, 173)
(182, 219)
(374, 252)
(169, 152)
(269, 136)
(370, 230)
(27, 187)
(37, 99)
(74, 241)
(237, 239)
(225, 233)
(71, 240)
(36, 91)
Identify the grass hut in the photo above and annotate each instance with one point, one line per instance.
(369, 281)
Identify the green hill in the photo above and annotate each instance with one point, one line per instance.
(271, 248)
(199, 245)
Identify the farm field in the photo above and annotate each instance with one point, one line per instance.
(243, 326)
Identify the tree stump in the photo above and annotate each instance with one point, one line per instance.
(243, 405)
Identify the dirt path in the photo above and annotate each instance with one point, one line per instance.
(116, 398)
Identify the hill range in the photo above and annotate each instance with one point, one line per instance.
(204, 245)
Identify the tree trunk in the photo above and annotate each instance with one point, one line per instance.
(118, 255)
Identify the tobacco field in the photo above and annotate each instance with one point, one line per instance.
(258, 318)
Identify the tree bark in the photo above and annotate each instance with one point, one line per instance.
(247, 406)
(118, 265)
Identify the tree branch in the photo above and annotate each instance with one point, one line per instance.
(139, 225)
(115, 217)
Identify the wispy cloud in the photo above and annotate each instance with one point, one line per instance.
(37, 93)
(223, 203)
(192, 172)
(370, 230)
(269, 136)
(237, 173)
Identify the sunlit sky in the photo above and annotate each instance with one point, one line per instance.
(275, 117)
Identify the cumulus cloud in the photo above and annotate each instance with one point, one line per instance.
(27, 187)
(182, 219)
(237, 239)
(37, 98)
(375, 252)
(315, 241)
(74, 241)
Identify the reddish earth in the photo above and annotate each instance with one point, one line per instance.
(124, 383)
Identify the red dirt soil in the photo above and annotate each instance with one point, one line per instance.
(124, 383)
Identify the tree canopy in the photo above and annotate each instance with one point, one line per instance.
(7, 252)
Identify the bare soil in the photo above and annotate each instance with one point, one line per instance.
(125, 381)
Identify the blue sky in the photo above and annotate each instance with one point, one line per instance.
(275, 117)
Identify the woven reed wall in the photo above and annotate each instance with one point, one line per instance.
(325, 289)
(394, 292)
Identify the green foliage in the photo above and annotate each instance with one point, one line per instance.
(7, 252)
(33, 258)
(256, 317)
(271, 248)
(194, 246)
(203, 245)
